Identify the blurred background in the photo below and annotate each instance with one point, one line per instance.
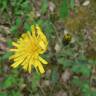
(70, 27)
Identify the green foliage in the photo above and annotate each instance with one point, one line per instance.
(9, 43)
(9, 81)
(44, 6)
(14, 29)
(86, 90)
(47, 27)
(25, 6)
(64, 11)
(72, 3)
(6, 55)
(83, 85)
(3, 5)
(3, 94)
(76, 81)
(93, 93)
(26, 27)
(66, 63)
(15, 93)
(83, 69)
(20, 6)
(54, 76)
(35, 81)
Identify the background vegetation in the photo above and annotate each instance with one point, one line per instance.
(72, 68)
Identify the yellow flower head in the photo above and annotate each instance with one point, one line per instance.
(28, 49)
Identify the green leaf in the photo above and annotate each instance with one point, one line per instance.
(3, 94)
(68, 52)
(4, 5)
(47, 28)
(35, 81)
(6, 55)
(76, 81)
(64, 12)
(13, 29)
(27, 27)
(85, 70)
(54, 75)
(93, 93)
(66, 63)
(72, 4)
(85, 88)
(18, 22)
(37, 76)
(25, 6)
(9, 81)
(75, 68)
(15, 93)
(44, 6)
(9, 43)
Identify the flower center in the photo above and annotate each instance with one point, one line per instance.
(32, 48)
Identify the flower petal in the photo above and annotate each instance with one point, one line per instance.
(42, 60)
(26, 63)
(39, 67)
(30, 64)
(16, 64)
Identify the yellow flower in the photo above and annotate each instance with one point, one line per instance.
(28, 48)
